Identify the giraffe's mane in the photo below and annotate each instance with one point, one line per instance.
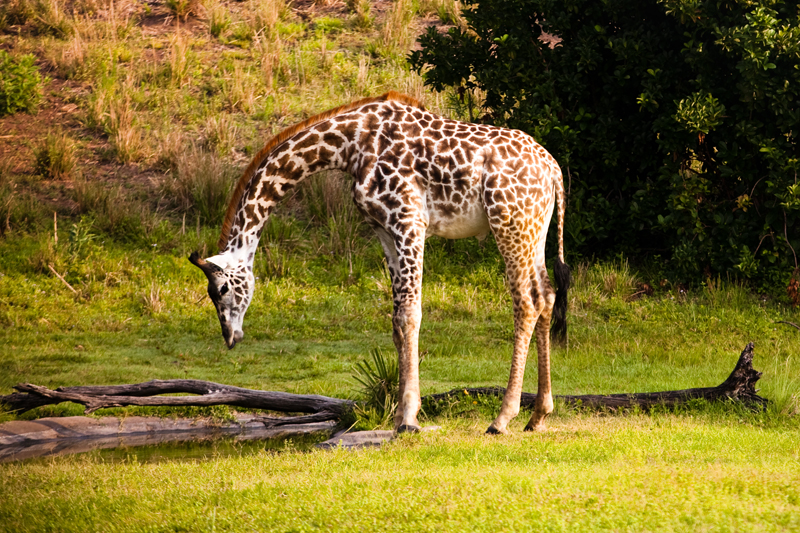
(230, 214)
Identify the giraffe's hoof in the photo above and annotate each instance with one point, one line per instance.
(539, 428)
(408, 428)
(494, 431)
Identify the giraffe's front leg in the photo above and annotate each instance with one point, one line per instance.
(406, 322)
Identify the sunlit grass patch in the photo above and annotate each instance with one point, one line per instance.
(592, 474)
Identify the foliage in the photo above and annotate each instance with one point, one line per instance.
(20, 84)
(379, 383)
(674, 122)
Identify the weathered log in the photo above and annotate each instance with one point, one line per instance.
(208, 393)
(739, 386)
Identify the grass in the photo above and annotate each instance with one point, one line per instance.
(167, 113)
(55, 157)
(639, 473)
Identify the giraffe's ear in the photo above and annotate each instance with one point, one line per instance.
(208, 268)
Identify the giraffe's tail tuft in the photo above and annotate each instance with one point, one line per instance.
(559, 323)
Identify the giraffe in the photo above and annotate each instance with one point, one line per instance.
(415, 174)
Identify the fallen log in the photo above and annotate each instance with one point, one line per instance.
(739, 386)
(322, 408)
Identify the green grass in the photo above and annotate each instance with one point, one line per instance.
(634, 473)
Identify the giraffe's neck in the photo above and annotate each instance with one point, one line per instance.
(313, 150)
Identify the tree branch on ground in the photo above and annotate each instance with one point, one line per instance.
(739, 386)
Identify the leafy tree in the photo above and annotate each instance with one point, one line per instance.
(675, 121)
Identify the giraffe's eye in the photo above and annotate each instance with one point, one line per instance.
(223, 290)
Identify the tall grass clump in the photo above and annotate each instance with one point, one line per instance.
(264, 15)
(785, 387)
(267, 52)
(69, 58)
(219, 133)
(183, 9)
(56, 156)
(361, 18)
(19, 209)
(448, 11)
(329, 205)
(200, 183)
(20, 84)
(241, 88)
(599, 282)
(111, 110)
(124, 133)
(396, 32)
(114, 212)
(179, 59)
(733, 293)
(16, 11)
(218, 18)
(51, 18)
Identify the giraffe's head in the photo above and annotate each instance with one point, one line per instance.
(230, 287)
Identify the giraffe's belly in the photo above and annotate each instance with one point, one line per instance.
(450, 223)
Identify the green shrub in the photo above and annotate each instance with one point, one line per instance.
(675, 123)
(20, 84)
(379, 384)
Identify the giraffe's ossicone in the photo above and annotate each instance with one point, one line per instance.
(415, 174)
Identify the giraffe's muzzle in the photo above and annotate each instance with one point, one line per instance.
(231, 340)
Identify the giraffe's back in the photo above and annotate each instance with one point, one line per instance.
(444, 167)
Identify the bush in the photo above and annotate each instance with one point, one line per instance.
(675, 123)
(20, 84)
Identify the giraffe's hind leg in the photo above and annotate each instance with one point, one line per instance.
(544, 395)
(526, 313)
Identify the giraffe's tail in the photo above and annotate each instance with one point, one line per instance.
(561, 271)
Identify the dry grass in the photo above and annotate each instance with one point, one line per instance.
(68, 58)
(396, 32)
(183, 9)
(199, 183)
(218, 17)
(263, 16)
(361, 18)
(179, 59)
(151, 299)
(267, 53)
(241, 88)
(56, 156)
(125, 135)
(220, 133)
(448, 11)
